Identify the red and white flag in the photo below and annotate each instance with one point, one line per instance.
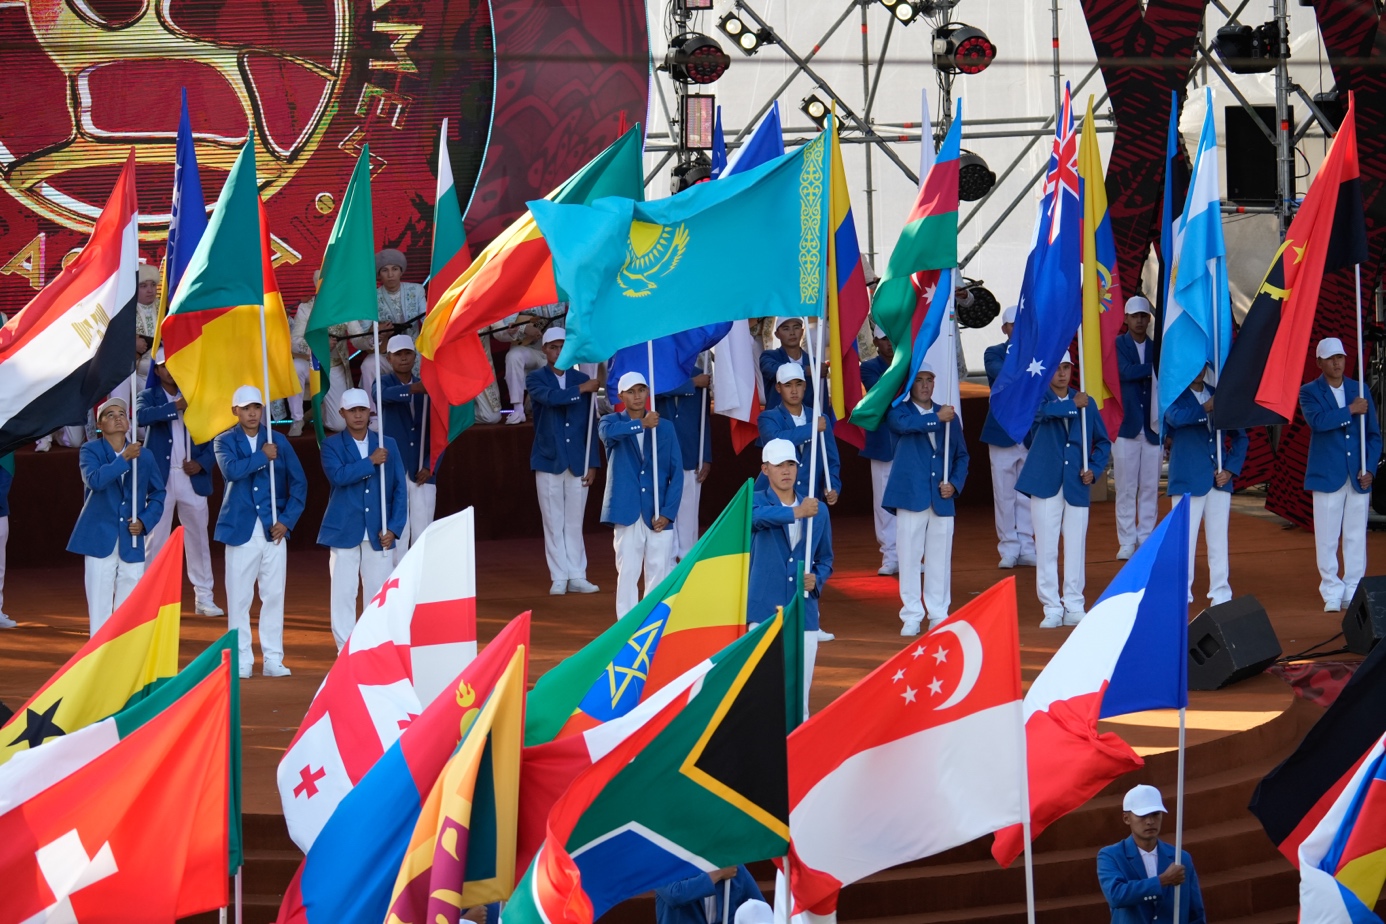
(933, 736)
(409, 644)
(737, 388)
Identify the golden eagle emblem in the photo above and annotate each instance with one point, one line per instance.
(653, 251)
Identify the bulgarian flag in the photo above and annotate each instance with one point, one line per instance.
(226, 298)
(134, 652)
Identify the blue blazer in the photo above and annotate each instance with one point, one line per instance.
(352, 509)
(630, 483)
(1138, 899)
(1056, 450)
(5, 479)
(560, 423)
(246, 498)
(104, 522)
(403, 414)
(1135, 389)
(155, 411)
(1336, 437)
(777, 423)
(682, 902)
(993, 434)
(775, 566)
(682, 407)
(1193, 449)
(915, 480)
(880, 442)
(770, 362)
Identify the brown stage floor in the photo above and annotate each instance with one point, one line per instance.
(1274, 563)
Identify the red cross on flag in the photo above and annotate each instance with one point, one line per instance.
(415, 636)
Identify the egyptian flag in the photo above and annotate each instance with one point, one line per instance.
(1265, 368)
(72, 344)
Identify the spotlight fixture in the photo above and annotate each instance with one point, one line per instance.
(1246, 50)
(904, 11)
(813, 107)
(974, 304)
(691, 172)
(695, 58)
(962, 49)
(975, 178)
(747, 39)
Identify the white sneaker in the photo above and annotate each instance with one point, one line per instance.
(209, 609)
(889, 570)
(1006, 562)
(825, 636)
(1073, 617)
(1125, 552)
(245, 671)
(1025, 561)
(558, 588)
(934, 623)
(910, 629)
(1333, 606)
(517, 416)
(297, 428)
(1051, 622)
(6, 622)
(582, 586)
(275, 669)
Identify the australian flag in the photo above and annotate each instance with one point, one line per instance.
(1051, 303)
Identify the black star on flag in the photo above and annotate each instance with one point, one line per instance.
(39, 726)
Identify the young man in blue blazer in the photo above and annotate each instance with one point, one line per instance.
(880, 449)
(1136, 452)
(1194, 473)
(565, 463)
(792, 349)
(685, 406)
(1334, 408)
(122, 500)
(255, 531)
(405, 415)
(359, 539)
(714, 896)
(1139, 874)
(1058, 480)
(1015, 533)
(792, 419)
(921, 498)
(644, 458)
(187, 470)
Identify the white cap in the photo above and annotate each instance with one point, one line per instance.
(1066, 358)
(790, 372)
(779, 322)
(923, 368)
(355, 397)
(1330, 346)
(245, 395)
(877, 332)
(1143, 800)
(777, 451)
(629, 381)
(1008, 315)
(159, 356)
(112, 402)
(399, 342)
(1139, 304)
(754, 912)
(554, 333)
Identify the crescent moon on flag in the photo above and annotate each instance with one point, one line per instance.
(972, 661)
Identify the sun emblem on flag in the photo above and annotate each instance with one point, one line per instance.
(653, 252)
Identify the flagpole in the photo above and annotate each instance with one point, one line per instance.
(269, 434)
(423, 436)
(1217, 364)
(1025, 828)
(239, 869)
(814, 440)
(135, 462)
(379, 421)
(1361, 368)
(1179, 813)
(591, 417)
(654, 433)
(1083, 387)
(947, 392)
(702, 417)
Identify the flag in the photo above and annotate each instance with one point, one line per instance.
(462, 852)
(129, 656)
(366, 840)
(187, 215)
(848, 303)
(211, 334)
(1327, 233)
(515, 272)
(404, 651)
(719, 145)
(702, 785)
(1129, 654)
(675, 357)
(1342, 863)
(1169, 219)
(1051, 303)
(934, 735)
(126, 820)
(628, 266)
(1198, 312)
(764, 145)
(1104, 306)
(70, 346)
(916, 291)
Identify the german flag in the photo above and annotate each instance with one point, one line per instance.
(132, 654)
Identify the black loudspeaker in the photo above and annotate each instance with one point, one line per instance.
(1230, 642)
(1251, 165)
(1364, 624)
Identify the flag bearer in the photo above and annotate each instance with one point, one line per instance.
(5, 480)
(564, 463)
(684, 407)
(1137, 452)
(255, 533)
(1334, 408)
(187, 471)
(404, 415)
(790, 332)
(361, 550)
(717, 896)
(642, 539)
(1059, 487)
(1015, 534)
(116, 513)
(922, 499)
(1194, 472)
(792, 419)
(880, 449)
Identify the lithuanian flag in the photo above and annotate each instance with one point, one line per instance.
(123, 662)
(212, 333)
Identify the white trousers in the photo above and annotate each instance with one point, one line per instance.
(926, 535)
(259, 562)
(338, 382)
(686, 522)
(562, 503)
(1055, 517)
(810, 658)
(884, 522)
(1015, 533)
(4, 540)
(357, 567)
(192, 513)
(1340, 513)
(1137, 469)
(108, 582)
(302, 368)
(639, 547)
(520, 361)
(1213, 509)
(423, 500)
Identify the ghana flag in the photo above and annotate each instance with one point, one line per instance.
(132, 653)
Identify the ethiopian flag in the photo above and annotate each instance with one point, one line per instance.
(132, 653)
(227, 296)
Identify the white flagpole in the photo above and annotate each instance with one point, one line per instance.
(814, 439)
(135, 462)
(1179, 814)
(591, 418)
(726, 900)
(1083, 387)
(269, 438)
(1361, 371)
(423, 436)
(379, 421)
(702, 417)
(654, 433)
(1025, 828)
(239, 903)
(948, 392)
(1217, 365)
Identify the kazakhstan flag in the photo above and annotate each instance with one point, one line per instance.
(746, 246)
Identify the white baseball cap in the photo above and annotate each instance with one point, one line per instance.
(754, 912)
(554, 333)
(1139, 304)
(777, 451)
(790, 372)
(877, 332)
(355, 397)
(112, 402)
(400, 342)
(1008, 315)
(1330, 346)
(246, 395)
(629, 381)
(159, 356)
(923, 368)
(780, 322)
(1143, 800)
(1066, 358)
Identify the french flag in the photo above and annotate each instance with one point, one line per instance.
(1128, 654)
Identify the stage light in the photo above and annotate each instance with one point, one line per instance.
(975, 178)
(904, 11)
(815, 109)
(1246, 50)
(699, 115)
(695, 58)
(747, 39)
(690, 173)
(974, 304)
(697, 4)
(962, 49)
